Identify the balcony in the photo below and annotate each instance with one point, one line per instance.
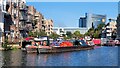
(22, 18)
(108, 31)
(28, 21)
(15, 16)
(23, 9)
(21, 27)
(15, 5)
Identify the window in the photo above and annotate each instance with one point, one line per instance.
(48, 32)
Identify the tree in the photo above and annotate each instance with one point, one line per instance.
(37, 33)
(114, 34)
(53, 35)
(42, 33)
(99, 27)
(89, 32)
(77, 34)
(30, 33)
(69, 34)
(95, 32)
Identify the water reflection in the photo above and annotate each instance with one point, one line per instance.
(103, 56)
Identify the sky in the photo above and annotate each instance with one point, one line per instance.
(67, 14)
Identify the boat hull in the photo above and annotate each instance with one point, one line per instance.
(64, 49)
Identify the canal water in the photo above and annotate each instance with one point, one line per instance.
(100, 56)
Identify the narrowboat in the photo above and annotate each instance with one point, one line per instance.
(45, 50)
(65, 46)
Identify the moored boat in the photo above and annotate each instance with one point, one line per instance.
(42, 45)
(63, 49)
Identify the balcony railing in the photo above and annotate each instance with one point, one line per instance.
(23, 9)
(29, 21)
(23, 18)
(15, 5)
(108, 31)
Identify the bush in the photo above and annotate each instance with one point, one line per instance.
(5, 45)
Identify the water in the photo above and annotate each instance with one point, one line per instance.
(100, 56)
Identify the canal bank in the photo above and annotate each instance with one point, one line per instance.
(12, 46)
(100, 56)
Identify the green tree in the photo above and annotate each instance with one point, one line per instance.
(99, 27)
(42, 33)
(53, 35)
(69, 34)
(89, 32)
(30, 33)
(37, 33)
(95, 32)
(77, 34)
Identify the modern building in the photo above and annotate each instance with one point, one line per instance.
(118, 21)
(119, 7)
(109, 31)
(39, 19)
(82, 22)
(48, 26)
(35, 19)
(31, 17)
(17, 19)
(91, 20)
(18, 11)
(14, 17)
(1, 23)
(64, 30)
(85, 23)
(6, 20)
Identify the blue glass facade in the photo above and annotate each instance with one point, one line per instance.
(119, 7)
(82, 22)
(91, 20)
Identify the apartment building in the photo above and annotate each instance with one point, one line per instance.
(6, 20)
(18, 11)
(110, 29)
(38, 19)
(31, 16)
(1, 23)
(47, 26)
(17, 19)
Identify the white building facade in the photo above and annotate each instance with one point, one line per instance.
(64, 30)
(2, 11)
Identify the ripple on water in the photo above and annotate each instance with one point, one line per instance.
(101, 56)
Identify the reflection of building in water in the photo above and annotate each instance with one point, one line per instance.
(66, 56)
(1, 60)
(31, 59)
(16, 58)
(45, 58)
(13, 58)
(6, 61)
